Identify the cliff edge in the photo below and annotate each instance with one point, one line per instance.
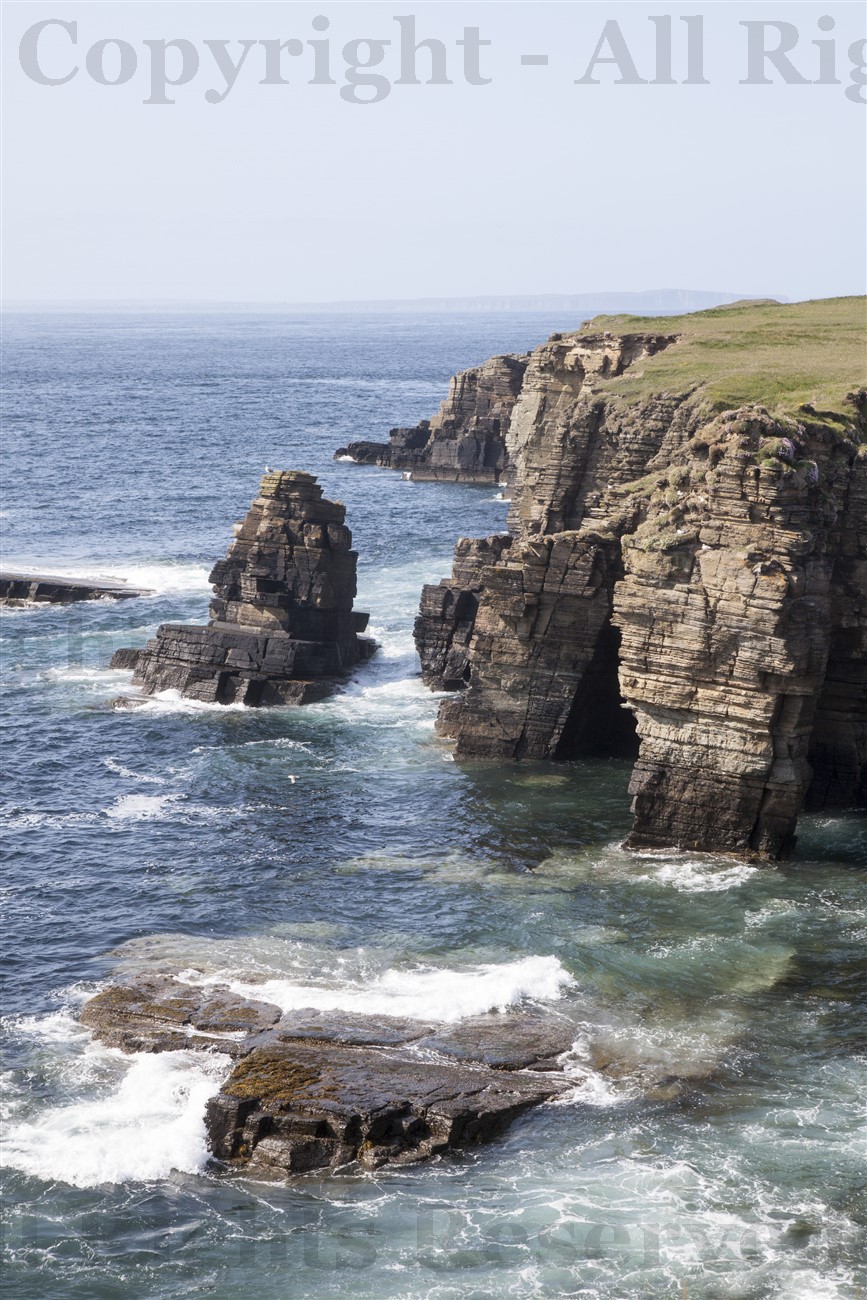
(684, 580)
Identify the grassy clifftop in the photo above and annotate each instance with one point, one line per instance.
(784, 356)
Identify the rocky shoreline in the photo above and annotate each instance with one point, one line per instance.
(684, 580)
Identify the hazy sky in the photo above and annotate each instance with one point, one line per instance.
(527, 184)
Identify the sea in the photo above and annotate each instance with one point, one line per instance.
(712, 1142)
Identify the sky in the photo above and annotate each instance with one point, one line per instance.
(527, 184)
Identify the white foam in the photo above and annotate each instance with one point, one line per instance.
(87, 673)
(594, 1089)
(55, 1027)
(703, 877)
(401, 702)
(31, 820)
(426, 993)
(774, 910)
(141, 807)
(150, 1125)
(689, 875)
(165, 578)
(114, 765)
(173, 702)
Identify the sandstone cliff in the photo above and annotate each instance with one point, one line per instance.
(467, 441)
(282, 629)
(685, 575)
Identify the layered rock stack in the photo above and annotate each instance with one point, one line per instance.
(282, 629)
(467, 441)
(682, 584)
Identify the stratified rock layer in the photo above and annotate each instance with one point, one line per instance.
(282, 628)
(467, 441)
(688, 580)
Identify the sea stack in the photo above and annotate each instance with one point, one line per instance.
(282, 629)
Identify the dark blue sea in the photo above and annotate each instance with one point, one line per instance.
(341, 854)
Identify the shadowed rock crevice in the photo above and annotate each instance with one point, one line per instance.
(600, 724)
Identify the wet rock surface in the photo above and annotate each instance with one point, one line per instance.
(161, 1014)
(314, 1089)
(299, 1105)
(467, 441)
(18, 588)
(282, 627)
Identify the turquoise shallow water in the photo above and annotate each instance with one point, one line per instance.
(339, 853)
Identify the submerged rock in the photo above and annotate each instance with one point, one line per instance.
(467, 441)
(313, 1089)
(42, 589)
(282, 629)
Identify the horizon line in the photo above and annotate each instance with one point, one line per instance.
(587, 300)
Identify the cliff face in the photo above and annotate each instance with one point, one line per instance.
(282, 628)
(467, 441)
(681, 583)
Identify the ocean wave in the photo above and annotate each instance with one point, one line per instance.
(424, 993)
(27, 821)
(157, 577)
(56, 1026)
(173, 702)
(689, 875)
(403, 702)
(702, 876)
(125, 808)
(150, 1125)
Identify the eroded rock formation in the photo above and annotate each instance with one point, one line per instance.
(467, 441)
(681, 583)
(282, 629)
(313, 1089)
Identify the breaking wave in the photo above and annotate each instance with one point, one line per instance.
(422, 994)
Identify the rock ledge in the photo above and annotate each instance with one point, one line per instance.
(314, 1089)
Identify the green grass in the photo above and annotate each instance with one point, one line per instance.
(780, 355)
